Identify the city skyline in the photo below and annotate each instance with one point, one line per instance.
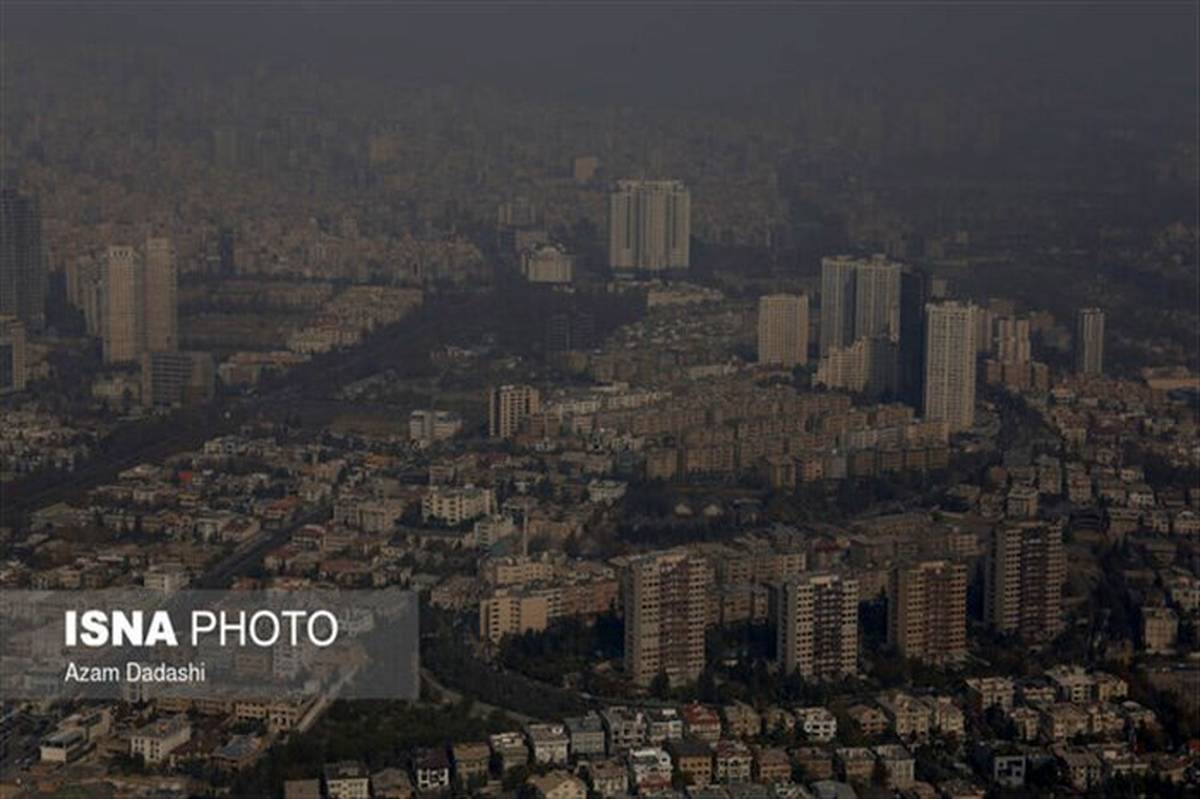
(673, 401)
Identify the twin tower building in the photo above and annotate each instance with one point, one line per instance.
(879, 334)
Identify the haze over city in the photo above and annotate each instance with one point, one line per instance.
(688, 400)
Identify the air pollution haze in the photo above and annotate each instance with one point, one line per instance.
(681, 400)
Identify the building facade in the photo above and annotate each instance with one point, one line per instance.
(509, 406)
(1089, 341)
(649, 226)
(817, 631)
(783, 330)
(927, 611)
(1024, 574)
(665, 597)
(950, 365)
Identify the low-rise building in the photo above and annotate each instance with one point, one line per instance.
(817, 723)
(771, 765)
(558, 785)
(693, 760)
(625, 728)
(548, 742)
(431, 770)
(471, 762)
(732, 761)
(155, 741)
(649, 769)
(898, 765)
(347, 779)
(701, 723)
(586, 734)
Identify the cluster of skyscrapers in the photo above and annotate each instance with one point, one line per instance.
(816, 614)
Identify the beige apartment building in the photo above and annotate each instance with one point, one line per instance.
(783, 330)
(818, 626)
(665, 597)
(1024, 575)
(927, 611)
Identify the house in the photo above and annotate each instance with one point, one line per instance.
(772, 764)
(548, 742)
(649, 769)
(741, 721)
(817, 723)
(1003, 765)
(945, 717)
(558, 785)
(855, 763)
(871, 721)
(347, 779)
(693, 760)
(898, 764)
(701, 723)
(624, 727)
(431, 768)
(471, 762)
(663, 724)
(732, 761)
(63, 746)
(391, 783)
(155, 741)
(987, 692)
(586, 734)
(1080, 767)
(609, 778)
(1062, 721)
(909, 717)
(509, 750)
(1071, 684)
(1027, 721)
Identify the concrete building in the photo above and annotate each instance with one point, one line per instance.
(927, 611)
(172, 379)
(877, 299)
(950, 365)
(453, 505)
(868, 366)
(427, 426)
(1089, 341)
(817, 631)
(159, 296)
(837, 302)
(860, 298)
(13, 368)
(1160, 630)
(22, 266)
(547, 263)
(155, 741)
(665, 598)
(1012, 340)
(1024, 574)
(121, 315)
(783, 330)
(649, 226)
(512, 612)
(509, 406)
